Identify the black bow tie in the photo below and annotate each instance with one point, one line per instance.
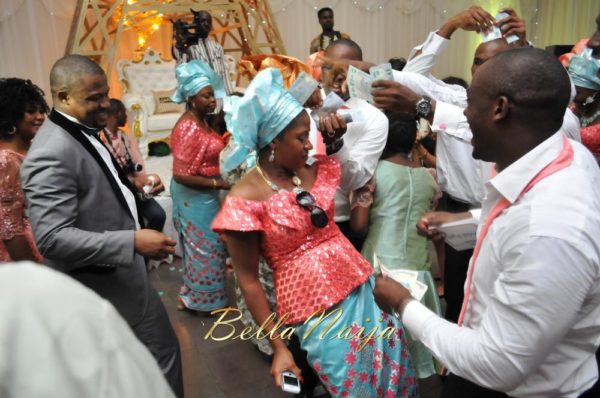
(89, 131)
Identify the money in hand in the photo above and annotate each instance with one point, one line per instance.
(382, 72)
(359, 84)
(407, 278)
(303, 87)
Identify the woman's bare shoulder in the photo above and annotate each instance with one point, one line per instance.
(251, 187)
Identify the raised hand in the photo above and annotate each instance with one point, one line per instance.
(473, 19)
(513, 24)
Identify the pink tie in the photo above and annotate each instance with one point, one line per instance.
(564, 159)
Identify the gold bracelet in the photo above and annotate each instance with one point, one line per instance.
(214, 181)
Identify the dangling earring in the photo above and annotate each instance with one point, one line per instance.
(589, 100)
(272, 155)
(13, 130)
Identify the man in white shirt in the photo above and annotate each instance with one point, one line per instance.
(204, 49)
(61, 339)
(85, 215)
(363, 141)
(460, 175)
(531, 317)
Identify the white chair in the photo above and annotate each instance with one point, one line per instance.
(146, 83)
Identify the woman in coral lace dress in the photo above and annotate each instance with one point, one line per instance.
(22, 112)
(283, 210)
(195, 188)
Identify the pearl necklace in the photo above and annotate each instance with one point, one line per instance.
(295, 180)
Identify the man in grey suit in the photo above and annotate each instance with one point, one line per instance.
(84, 212)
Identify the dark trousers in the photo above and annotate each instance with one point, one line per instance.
(594, 392)
(457, 387)
(311, 379)
(157, 334)
(356, 241)
(455, 274)
(153, 214)
(455, 266)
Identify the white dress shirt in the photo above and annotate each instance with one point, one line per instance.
(533, 322)
(105, 155)
(60, 339)
(363, 145)
(461, 176)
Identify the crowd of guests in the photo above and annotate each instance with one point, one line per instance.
(309, 209)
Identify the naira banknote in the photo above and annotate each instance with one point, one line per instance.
(359, 84)
(495, 32)
(492, 34)
(407, 278)
(382, 72)
(303, 87)
(331, 104)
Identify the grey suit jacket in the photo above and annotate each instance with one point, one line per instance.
(80, 219)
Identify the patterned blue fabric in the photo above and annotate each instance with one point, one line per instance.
(584, 70)
(353, 367)
(203, 260)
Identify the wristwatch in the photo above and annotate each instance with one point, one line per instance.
(424, 107)
(334, 146)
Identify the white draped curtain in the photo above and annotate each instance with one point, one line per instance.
(34, 33)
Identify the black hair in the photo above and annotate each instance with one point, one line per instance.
(348, 43)
(402, 134)
(397, 63)
(18, 96)
(322, 10)
(115, 105)
(456, 80)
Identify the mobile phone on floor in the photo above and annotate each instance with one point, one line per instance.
(289, 382)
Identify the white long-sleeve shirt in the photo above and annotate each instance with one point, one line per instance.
(60, 339)
(459, 174)
(533, 322)
(364, 142)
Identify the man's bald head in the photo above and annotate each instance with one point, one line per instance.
(535, 83)
(67, 72)
(516, 100)
(344, 49)
(79, 89)
(486, 51)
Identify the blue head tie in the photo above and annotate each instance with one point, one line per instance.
(192, 77)
(584, 71)
(255, 119)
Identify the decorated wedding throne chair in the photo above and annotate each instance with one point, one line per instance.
(147, 86)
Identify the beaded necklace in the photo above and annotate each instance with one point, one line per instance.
(295, 180)
(586, 121)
